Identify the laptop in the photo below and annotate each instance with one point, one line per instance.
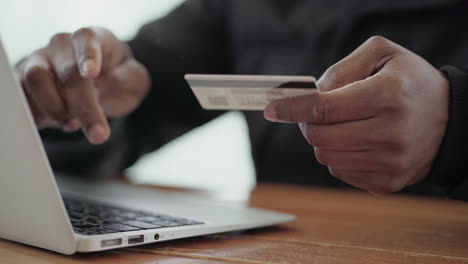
(71, 214)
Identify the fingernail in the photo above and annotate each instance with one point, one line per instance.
(88, 67)
(72, 126)
(97, 134)
(270, 114)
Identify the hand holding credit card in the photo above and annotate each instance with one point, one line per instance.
(246, 92)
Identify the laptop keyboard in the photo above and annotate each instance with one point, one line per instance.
(93, 218)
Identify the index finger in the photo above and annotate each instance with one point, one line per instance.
(80, 94)
(355, 101)
(83, 101)
(88, 52)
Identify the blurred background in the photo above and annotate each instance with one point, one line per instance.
(215, 158)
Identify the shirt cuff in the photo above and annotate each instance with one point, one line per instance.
(449, 170)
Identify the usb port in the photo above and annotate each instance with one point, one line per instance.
(111, 242)
(136, 239)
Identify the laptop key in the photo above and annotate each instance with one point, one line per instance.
(116, 219)
(94, 221)
(147, 218)
(121, 227)
(142, 224)
(131, 215)
(75, 216)
(77, 230)
(83, 225)
(170, 218)
(94, 218)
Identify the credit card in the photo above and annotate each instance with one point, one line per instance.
(246, 92)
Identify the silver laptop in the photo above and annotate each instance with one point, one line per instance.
(69, 215)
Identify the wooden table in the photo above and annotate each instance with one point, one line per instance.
(332, 227)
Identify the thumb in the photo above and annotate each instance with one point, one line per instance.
(365, 61)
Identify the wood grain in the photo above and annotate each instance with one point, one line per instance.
(333, 226)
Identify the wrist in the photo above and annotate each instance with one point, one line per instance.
(447, 168)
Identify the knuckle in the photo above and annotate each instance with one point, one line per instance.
(83, 32)
(321, 111)
(379, 42)
(34, 74)
(60, 39)
(382, 48)
(69, 73)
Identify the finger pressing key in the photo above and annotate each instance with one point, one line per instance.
(82, 98)
(81, 95)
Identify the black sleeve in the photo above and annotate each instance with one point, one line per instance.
(191, 39)
(450, 169)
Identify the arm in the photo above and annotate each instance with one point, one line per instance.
(190, 39)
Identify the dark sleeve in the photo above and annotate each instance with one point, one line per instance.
(450, 169)
(191, 39)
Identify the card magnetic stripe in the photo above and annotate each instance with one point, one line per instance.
(250, 84)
